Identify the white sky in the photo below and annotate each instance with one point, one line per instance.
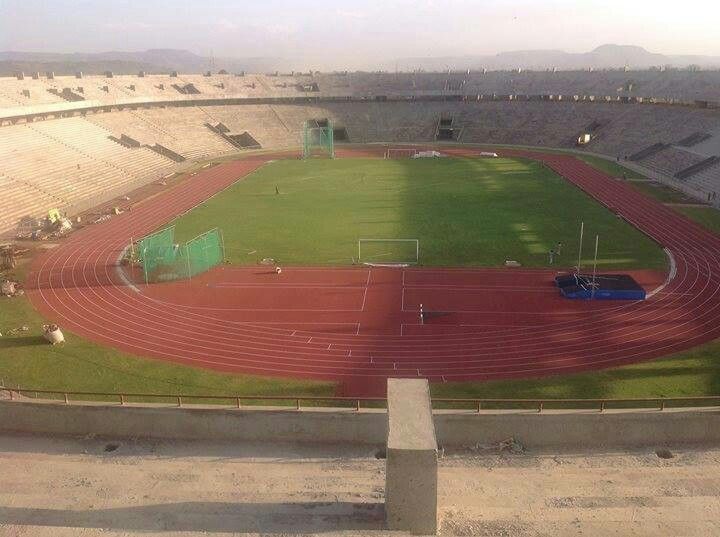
(342, 33)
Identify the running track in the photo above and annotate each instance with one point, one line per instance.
(359, 326)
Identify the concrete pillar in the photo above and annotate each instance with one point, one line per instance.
(411, 467)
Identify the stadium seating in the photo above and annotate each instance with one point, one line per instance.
(182, 130)
(707, 180)
(663, 86)
(69, 161)
(671, 160)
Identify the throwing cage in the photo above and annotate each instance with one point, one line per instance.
(318, 140)
(164, 260)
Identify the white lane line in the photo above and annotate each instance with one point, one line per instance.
(670, 277)
(367, 284)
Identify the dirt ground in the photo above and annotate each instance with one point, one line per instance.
(86, 487)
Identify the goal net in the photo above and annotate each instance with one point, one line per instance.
(389, 252)
(398, 153)
(318, 140)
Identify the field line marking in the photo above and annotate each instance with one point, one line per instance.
(478, 288)
(261, 323)
(281, 286)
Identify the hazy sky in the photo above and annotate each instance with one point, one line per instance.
(359, 32)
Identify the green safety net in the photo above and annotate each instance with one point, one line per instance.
(164, 260)
(205, 252)
(318, 140)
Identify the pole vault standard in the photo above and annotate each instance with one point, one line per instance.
(582, 231)
(597, 242)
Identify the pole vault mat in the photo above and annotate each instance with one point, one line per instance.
(600, 287)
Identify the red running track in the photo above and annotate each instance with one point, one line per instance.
(360, 325)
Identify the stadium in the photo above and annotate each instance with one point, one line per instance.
(521, 240)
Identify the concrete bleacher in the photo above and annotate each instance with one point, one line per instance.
(707, 180)
(67, 163)
(266, 123)
(665, 86)
(671, 160)
(182, 130)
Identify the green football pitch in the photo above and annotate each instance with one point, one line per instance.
(463, 212)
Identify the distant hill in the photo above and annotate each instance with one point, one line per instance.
(167, 60)
(152, 61)
(603, 57)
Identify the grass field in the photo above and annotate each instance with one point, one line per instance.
(707, 216)
(477, 212)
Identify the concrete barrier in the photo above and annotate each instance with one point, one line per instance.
(549, 430)
(411, 468)
(332, 426)
(582, 429)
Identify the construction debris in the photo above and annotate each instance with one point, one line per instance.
(102, 218)
(510, 445)
(52, 226)
(9, 254)
(11, 289)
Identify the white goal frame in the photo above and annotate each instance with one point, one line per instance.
(389, 262)
(404, 152)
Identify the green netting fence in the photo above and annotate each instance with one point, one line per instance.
(318, 139)
(164, 260)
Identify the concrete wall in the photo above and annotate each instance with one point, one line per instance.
(341, 426)
(581, 429)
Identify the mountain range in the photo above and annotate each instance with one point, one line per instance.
(603, 57)
(166, 60)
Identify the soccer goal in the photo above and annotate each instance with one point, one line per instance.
(400, 152)
(318, 139)
(389, 252)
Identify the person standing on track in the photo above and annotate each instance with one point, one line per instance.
(278, 270)
(422, 315)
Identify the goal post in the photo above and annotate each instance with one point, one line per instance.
(388, 251)
(318, 140)
(400, 152)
